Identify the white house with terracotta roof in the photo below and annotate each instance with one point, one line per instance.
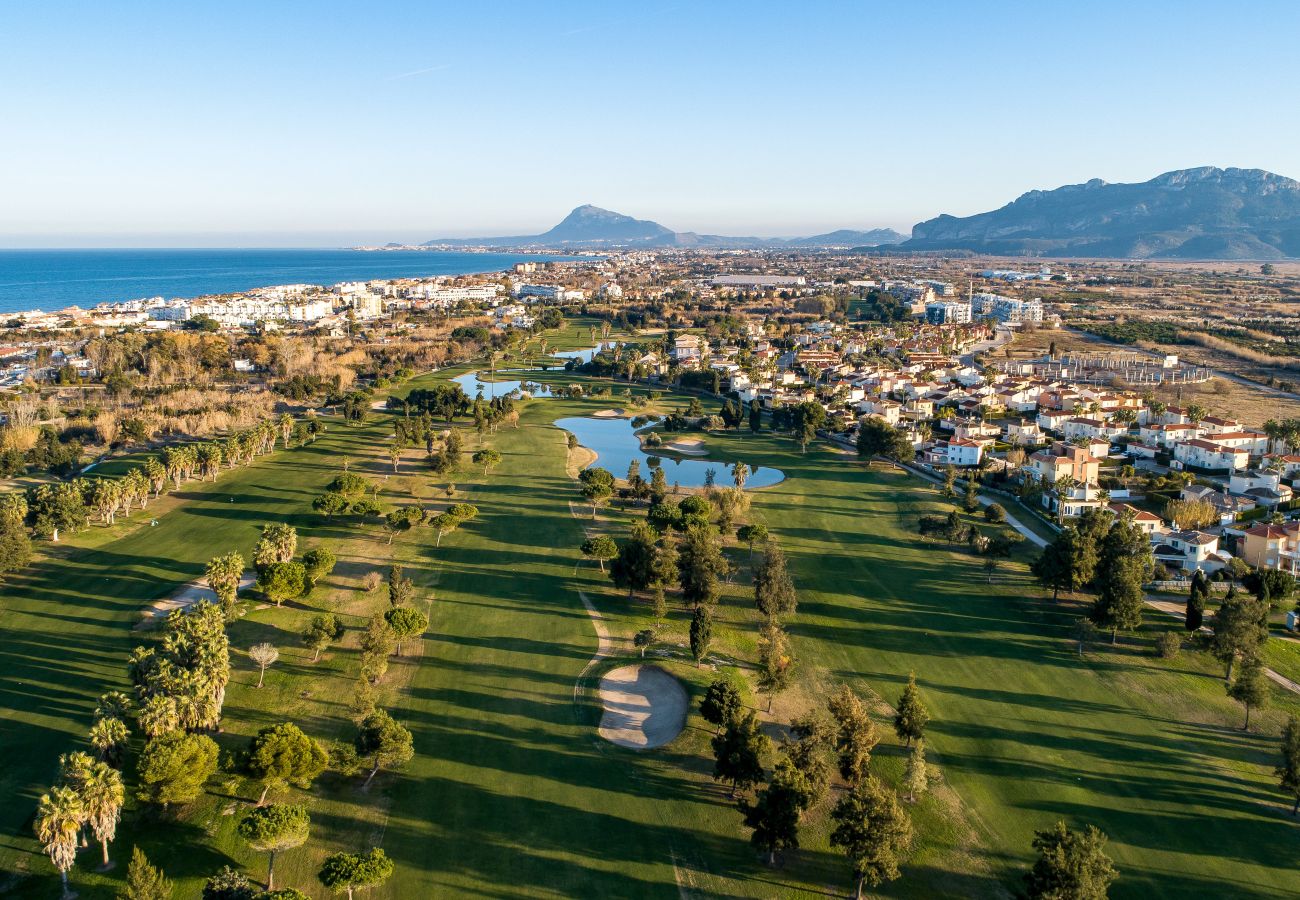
(1210, 455)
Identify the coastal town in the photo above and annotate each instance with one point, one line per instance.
(1061, 431)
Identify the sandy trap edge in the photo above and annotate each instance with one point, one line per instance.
(644, 707)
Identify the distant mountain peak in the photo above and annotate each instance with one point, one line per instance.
(1199, 213)
(593, 227)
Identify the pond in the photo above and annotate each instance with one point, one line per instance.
(616, 444)
(584, 356)
(471, 384)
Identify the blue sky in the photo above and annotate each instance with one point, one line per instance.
(318, 123)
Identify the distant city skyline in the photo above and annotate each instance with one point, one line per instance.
(153, 124)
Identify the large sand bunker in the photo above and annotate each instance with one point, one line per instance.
(645, 707)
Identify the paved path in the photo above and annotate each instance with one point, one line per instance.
(1178, 611)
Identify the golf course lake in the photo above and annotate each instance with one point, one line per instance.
(616, 444)
(471, 384)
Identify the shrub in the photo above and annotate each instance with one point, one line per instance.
(995, 513)
(372, 581)
(1168, 644)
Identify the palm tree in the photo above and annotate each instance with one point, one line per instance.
(58, 822)
(263, 655)
(102, 796)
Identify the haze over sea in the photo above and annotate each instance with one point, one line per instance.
(54, 279)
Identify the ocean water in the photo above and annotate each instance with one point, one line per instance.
(54, 279)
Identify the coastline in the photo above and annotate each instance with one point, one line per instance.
(53, 280)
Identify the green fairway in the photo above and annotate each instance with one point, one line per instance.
(512, 793)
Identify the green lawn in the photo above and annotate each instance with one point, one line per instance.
(513, 794)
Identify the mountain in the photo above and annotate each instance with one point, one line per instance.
(590, 227)
(845, 237)
(1204, 213)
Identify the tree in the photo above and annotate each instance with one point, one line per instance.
(1055, 566)
(643, 639)
(355, 871)
(776, 662)
(376, 644)
(699, 563)
(405, 622)
(262, 656)
(229, 884)
(401, 590)
(321, 631)
(281, 581)
(774, 592)
(1251, 688)
(701, 633)
(738, 753)
(597, 486)
(600, 549)
(386, 743)
(633, 568)
(872, 830)
(274, 829)
(721, 703)
(855, 735)
(455, 516)
(1238, 628)
(174, 767)
(912, 716)
(1288, 771)
(487, 459)
(774, 814)
(318, 564)
(278, 544)
(102, 796)
(224, 574)
(971, 499)
(282, 754)
(59, 816)
(949, 489)
(109, 737)
(1125, 566)
(995, 513)
(145, 881)
(1197, 595)
(916, 778)
(751, 535)
(1070, 865)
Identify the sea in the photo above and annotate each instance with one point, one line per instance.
(55, 279)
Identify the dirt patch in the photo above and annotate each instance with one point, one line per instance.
(645, 707)
(184, 597)
(579, 458)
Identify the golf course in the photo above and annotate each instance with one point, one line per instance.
(513, 792)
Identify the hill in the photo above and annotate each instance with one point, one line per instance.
(591, 227)
(1203, 213)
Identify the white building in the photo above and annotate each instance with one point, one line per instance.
(945, 312)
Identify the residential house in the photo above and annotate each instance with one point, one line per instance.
(1210, 455)
(1062, 460)
(1187, 551)
(1272, 547)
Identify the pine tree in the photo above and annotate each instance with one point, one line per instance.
(1251, 688)
(1288, 771)
(912, 716)
(701, 632)
(872, 830)
(1125, 566)
(1070, 865)
(145, 881)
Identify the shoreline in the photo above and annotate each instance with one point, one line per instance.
(41, 277)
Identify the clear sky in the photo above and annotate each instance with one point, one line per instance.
(326, 123)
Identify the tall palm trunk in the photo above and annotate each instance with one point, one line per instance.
(104, 844)
(270, 872)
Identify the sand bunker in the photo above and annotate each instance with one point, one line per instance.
(645, 707)
(687, 447)
(186, 595)
(608, 414)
